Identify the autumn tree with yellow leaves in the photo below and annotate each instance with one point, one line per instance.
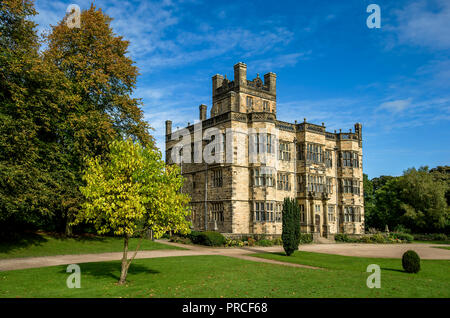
(132, 190)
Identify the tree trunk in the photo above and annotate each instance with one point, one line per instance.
(68, 230)
(124, 271)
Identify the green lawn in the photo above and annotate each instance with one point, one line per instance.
(443, 247)
(34, 245)
(220, 276)
(432, 242)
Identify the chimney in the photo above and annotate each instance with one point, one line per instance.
(270, 80)
(240, 74)
(203, 108)
(168, 127)
(217, 81)
(358, 130)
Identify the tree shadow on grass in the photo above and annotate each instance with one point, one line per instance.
(21, 240)
(393, 269)
(280, 253)
(112, 269)
(13, 241)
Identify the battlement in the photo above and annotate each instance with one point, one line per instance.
(243, 95)
(223, 85)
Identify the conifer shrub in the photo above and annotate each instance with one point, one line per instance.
(291, 226)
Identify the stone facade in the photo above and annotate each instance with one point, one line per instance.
(321, 169)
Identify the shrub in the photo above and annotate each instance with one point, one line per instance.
(401, 229)
(230, 243)
(342, 238)
(440, 237)
(378, 238)
(251, 241)
(373, 230)
(291, 226)
(264, 242)
(431, 237)
(208, 238)
(180, 239)
(411, 262)
(193, 236)
(305, 238)
(277, 241)
(402, 236)
(365, 239)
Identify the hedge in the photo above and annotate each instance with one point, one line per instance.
(209, 238)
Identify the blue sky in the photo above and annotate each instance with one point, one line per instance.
(330, 66)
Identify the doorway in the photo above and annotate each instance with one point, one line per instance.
(317, 223)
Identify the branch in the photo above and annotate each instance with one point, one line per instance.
(137, 249)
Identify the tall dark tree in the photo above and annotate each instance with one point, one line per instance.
(369, 202)
(291, 226)
(31, 101)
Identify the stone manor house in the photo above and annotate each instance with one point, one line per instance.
(321, 169)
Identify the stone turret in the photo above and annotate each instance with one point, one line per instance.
(240, 74)
(168, 127)
(203, 108)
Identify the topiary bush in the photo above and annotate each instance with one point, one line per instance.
(411, 262)
(291, 226)
(209, 238)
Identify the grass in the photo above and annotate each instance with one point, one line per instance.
(432, 281)
(443, 247)
(39, 244)
(221, 276)
(433, 242)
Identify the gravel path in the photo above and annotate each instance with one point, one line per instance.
(425, 251)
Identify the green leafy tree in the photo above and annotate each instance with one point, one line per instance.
(33, 174)
(423, 201)
(290, 226)
(131, 190)
(369, 202)
(387, 205)
(442, 173)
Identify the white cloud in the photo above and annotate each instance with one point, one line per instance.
(396, 105)
(424, 23)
